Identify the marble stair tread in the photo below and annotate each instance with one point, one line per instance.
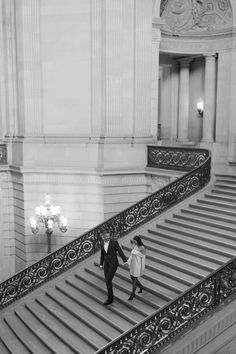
(223, 252)
(152, 284)
(162, 279)
(220, 197)
(216, 203)
(225, 181)
(119, 308)
(225, 186)
(203, 236)
(178, 263)
(120, 304)
(78, 320)
(224, 191)
(30, 340)
(10, 340)
(3, 348)
(193, 225)
(209, 215)
(112, 317)
(190, 255)
(82, 314)
(123, 289)
(157, 285)
(218, 210)
(207, 222)
(39, 327)
(170, 273)
(76, 339)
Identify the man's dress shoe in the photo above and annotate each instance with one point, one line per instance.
(108, 302)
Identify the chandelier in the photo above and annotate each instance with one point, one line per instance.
(48, 216)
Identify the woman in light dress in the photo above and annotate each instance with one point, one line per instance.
(136, 263)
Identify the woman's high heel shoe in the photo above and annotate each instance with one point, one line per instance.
(141, 289)
(131, 297)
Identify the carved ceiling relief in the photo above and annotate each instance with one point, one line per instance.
(182, 16)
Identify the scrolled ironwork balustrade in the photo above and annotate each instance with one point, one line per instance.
(156, 330)
(198, 165)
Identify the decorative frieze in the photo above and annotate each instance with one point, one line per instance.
(194, 16)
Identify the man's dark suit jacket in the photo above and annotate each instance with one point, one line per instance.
(111, 255)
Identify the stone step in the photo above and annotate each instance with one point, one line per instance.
(9, 339)
(225, 186)
(75, 303)
(172, 275)
(30, 340)
(224, 176)
(3, 349)
(77, 339)
(123, 288)
(212, 202)
(209, 215)
(224, 191)
(39, 326)
(181, 249)
(152, 283)
(196, 226)
(204, 221)
(208, 248)
(121, 306)
(177, 263)
(202, 237)
(220, 197)
(216, 209)
(191, 255)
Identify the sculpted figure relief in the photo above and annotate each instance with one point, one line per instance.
(182, 16)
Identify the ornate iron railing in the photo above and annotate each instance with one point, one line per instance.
(156, 330)
(84, 246)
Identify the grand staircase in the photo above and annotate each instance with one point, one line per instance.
(66, 315)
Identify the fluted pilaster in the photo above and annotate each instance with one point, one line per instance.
(143, 68)
(97, 44)
(9, 105)
(156, 37)
(114, 31)
(28, 20)
(209, 99)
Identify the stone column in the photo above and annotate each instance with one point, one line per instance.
(183, 100)
(209, 99)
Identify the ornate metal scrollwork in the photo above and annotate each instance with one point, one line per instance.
(167, 322)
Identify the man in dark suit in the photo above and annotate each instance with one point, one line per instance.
(109, 262)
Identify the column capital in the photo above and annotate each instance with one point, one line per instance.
(184, 61)
(157, 22)
(209, 56)
(156, 32)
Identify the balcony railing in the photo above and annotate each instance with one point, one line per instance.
(161, 326)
